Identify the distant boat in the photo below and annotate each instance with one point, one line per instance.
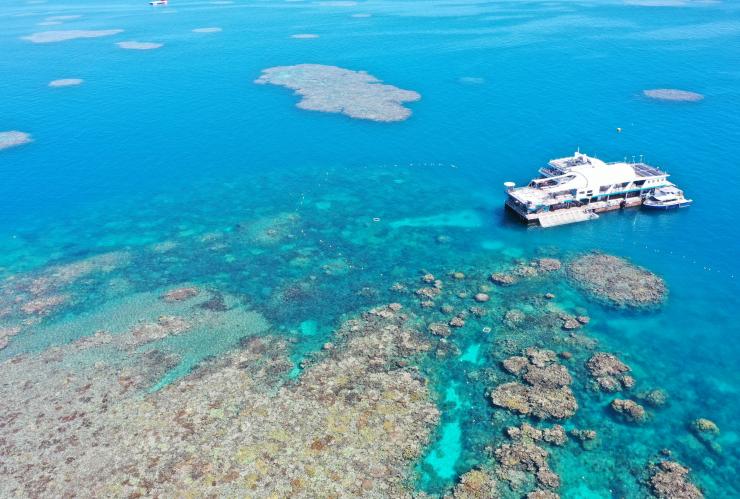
(158, 2)
(666, 198)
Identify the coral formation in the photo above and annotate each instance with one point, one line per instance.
(616, 281)
(703, 425)
(653, 398)
(609, 372)
(6, 333)
(132, 45)
(545, 395)
(673, 95)
(670, 480)
(336, 90)
(503, 279)
(349, 426)
(13, 138)
(61, 36)
(476, 484)
(524, 457)
(66, 82)
(629, 410)
(180, 294)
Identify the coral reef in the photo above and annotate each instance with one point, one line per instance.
(670, 480)
(180, 294)
(6, 333)
(523, 457)
(545, 395)
(609, 372)
(336, 90)
(616, 281)
(132, 45)
(629, 410)
(66, 82)
(476, 484)
(673, 95)
(503, 279)
(29, 298)
(707, 432)
(13, 138)
(654, 398)
(61, 36)
(349, 426)
(703, 425)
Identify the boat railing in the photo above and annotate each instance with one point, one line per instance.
(548, 171)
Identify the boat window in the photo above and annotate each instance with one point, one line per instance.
(639, 183)
(604, 188)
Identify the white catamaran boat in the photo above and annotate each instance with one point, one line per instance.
(577, 188)
(666, 198)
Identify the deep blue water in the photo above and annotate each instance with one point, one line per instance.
(177, 142)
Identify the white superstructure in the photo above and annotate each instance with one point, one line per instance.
(575, 188)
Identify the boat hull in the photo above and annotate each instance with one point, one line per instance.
(665, 207)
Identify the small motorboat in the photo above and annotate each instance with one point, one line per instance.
(666, 198)
(158, 2)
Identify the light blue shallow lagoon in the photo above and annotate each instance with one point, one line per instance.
(170, 169)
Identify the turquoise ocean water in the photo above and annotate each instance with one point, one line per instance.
(176, 144)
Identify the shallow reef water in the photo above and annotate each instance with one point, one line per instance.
(207, 290)
(181, 293)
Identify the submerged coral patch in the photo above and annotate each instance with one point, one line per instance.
(61, 36)
(207, 30)
(672, 94)
(132, 45)
(332, 89)
(471, 80)
(616, 281)
(546, 392)
(66, 82)
(68, 17)
(13, 138)
(350, 426)
(670, 480)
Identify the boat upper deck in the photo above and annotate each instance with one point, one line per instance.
(582, 176)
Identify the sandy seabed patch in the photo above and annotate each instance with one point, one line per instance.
(207, 30)
(13, 138)
(132, 45)
(66, 82)
(332, 89)
(304, 36)
(672, 94)
(64, 35)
